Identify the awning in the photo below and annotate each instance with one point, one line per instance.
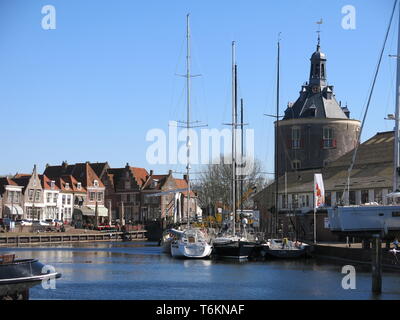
(102, 211)
(15, 209)
(91, 211)
(85, 211)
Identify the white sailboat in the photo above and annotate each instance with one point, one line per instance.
(372, 217)
(193, 242)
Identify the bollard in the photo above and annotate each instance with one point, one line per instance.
(376, 264)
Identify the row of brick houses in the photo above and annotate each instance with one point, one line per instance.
(91, 193)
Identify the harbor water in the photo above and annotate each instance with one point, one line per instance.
(139, 270)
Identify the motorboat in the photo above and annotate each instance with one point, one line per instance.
(192, 243)
(18, 275)
(285, 249)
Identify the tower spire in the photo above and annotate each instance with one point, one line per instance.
(319, 33)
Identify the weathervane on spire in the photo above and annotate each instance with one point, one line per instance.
(319, 31)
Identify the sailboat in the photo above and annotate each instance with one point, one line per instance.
(192, 243)
(373, 217)
(233, 245)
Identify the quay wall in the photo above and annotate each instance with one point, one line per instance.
(11, 240)
(355, 255)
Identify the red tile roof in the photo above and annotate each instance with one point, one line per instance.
(82, 172)
(140, 175)
(46, 183)
(182, 184)
(72, 184)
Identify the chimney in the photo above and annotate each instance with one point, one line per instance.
(151, 172)
(170, 172)
(127, 164)
(185, 177)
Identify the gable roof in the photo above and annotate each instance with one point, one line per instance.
(72, 184)
(5, 181)
(155, 181)
(22, 181)
(82, 172)
(46, 183)
(100, 168)
(182, 184)
(139, 174)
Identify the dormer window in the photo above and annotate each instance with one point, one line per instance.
(52, 184)
(79, 186)
(95, 183)
(67, 186)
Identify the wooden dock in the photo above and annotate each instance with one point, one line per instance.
(16, 240)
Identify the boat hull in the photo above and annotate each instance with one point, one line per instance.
(22, 274)
(285, 254)
(166, 246)
(190, 251)
(234, 249)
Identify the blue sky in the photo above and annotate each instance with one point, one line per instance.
(92, 88)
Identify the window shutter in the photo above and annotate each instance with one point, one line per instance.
(334, 143)
(301, 143)
(322, 143)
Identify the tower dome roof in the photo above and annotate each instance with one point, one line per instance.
(318, 55)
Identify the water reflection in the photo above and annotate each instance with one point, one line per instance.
(196, 263)
(123, 270)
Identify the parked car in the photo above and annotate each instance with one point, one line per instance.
(40, 223)
(24, 222)
(54, 222)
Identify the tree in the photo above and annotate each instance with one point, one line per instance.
(214, 186)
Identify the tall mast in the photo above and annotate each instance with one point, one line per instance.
(396, 164)
(241, 155)
(188, 144)
(233, 137)
(277, 145)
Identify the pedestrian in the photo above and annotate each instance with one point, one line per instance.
(396, 244)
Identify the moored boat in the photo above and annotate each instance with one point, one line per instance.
(230, 247)
(191, 244)
(17, 275)
(285, 249)
(168, 236)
